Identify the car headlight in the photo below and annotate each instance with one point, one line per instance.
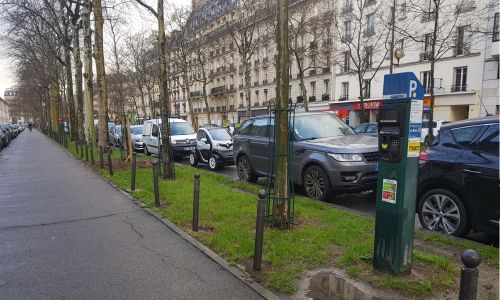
(346, 156)
(173, 142)
(224, 146)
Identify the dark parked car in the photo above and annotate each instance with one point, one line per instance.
(459, 180)
(4, 135)
(327, 155)
(367, 128)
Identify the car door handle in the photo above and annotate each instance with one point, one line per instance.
(471, 172)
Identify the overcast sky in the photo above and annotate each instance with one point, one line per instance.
(140, 21)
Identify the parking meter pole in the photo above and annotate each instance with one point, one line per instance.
(196, 201)
(132, 180)
(110, 162)
(469, 275)
(259, 232)
(155, 183)
(399, 128)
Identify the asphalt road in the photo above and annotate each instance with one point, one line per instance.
(65, 233)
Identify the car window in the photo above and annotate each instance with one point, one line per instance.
(360, 128)
(220, 134)
(465, 135)
(136, 130)
(372, 128)
(155, 131)
(259, 127)
(179, 128)
(316, 126)
(245, 127)
(488, 142)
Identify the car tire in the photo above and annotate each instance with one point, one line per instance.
(146, 151)
(245, 170)
(213, 164)
(193, 159)
(442, 211)
(317, 184)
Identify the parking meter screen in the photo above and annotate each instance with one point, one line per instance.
(389, 116)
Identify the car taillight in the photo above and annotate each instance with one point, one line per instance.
(423, 158)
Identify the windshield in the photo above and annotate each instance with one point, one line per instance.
(220, 134)
(136, 130)
(316, 126)
(179, 128)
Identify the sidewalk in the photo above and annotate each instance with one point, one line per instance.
(67, 234)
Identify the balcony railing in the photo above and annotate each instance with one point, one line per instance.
(461, 51)
(264, 81)
(343, 97)
(326, 70)
(428, 16)
(346, 38)
(218, 90)
(195, 94)
(458, 88)
(425, 56)
(256, 83)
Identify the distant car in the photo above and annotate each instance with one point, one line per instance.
(367, 128)
(327, 156)
(459, 179)
(214, 147)
(5, 135)
(136, 137)
(436, 125)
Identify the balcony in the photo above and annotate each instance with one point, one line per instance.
(366, 95)
(195, 94)
(326, 70)
(428, 16)
(346, 38)
(255, 83)
(240, 86)
(218, 90)
(256, 104)
(369, 32)
(232, 68)
(264, 81)
(312, 98)
(425, 56)
(461, 51)
(458, 88)
(325, 97)
(343, 97)
(312, 72)
(313, 45)
(231, 88)
(231, 107)
(241, 106)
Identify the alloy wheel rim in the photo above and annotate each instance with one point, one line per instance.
(243, 169)
(314, 184)
(191, 158)
(212, 162)
(441, 213)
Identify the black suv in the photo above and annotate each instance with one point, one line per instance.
(327, 157)
(459, 180)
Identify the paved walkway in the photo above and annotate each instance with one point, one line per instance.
(65, 233)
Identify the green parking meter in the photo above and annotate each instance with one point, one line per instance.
(399, 129)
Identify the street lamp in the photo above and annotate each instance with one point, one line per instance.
(398, 54)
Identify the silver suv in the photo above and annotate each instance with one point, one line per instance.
(327, 155)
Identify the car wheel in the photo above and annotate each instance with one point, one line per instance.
(212, 162)
(442, 211)
(146, 151)
(245, 170)
(193, 160)
(317, 184)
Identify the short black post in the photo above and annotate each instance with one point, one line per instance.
(259, 232)
(81, 149)
(469, 275)
(86, 152)
(92, 153)
(76, 146)
(196, 201)
(110, 163)
(155, 181)
(132, 180)
(101, 157)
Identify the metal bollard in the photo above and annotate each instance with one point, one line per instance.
(92, 153)
(101, 158)
(86, 152)
(81, 149)
(110, 163)
(196, 202)
(76, 146)
(259, 232)
(155, 181)
(469, 275)
(132, 180)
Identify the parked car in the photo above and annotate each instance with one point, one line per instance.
(233, 127)
(327, 156)
(136, 137)
(182, 136)
(367, 128)
(436, 125)
(459, 180)
(214, 147)
(5, 135)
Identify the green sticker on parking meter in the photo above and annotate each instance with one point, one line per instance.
(389, 190)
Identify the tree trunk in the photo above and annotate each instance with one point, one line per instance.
(189, 100)
(168, 171)
(282, 180)
(248, 99)
(78, 81)
(304, 92)
(143, 102)
(101, 74)
(88, 75)
(205, 99)
(54, 106)
(69, 93)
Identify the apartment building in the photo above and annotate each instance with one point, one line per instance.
(4, 111)
(328, 70)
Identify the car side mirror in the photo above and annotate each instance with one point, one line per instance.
(204, 140)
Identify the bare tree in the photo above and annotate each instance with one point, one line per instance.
(88, 72)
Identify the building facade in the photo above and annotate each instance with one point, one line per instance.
(4, 111)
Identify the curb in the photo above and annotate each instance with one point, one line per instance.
(244, 277)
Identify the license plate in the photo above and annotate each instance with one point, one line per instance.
(189, 148)
(375, 167)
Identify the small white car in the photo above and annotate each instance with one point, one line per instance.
(182, 136)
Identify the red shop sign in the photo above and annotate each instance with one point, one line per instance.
(368, 105)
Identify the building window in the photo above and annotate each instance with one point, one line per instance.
(425, 78)
(347, 31)
(368, 57)
(401, 44)
(370, 24)
(313, 88)
(402, 10)
(366, 88)
(426, 55)
(347, 58)
(460, 80)
(345, 91)
(326, 86)
(495, 28)
(461, 43)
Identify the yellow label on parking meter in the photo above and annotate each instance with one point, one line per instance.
(413, 147)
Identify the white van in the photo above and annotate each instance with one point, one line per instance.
(182, 136)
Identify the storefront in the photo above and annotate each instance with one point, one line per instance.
(352, 113)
